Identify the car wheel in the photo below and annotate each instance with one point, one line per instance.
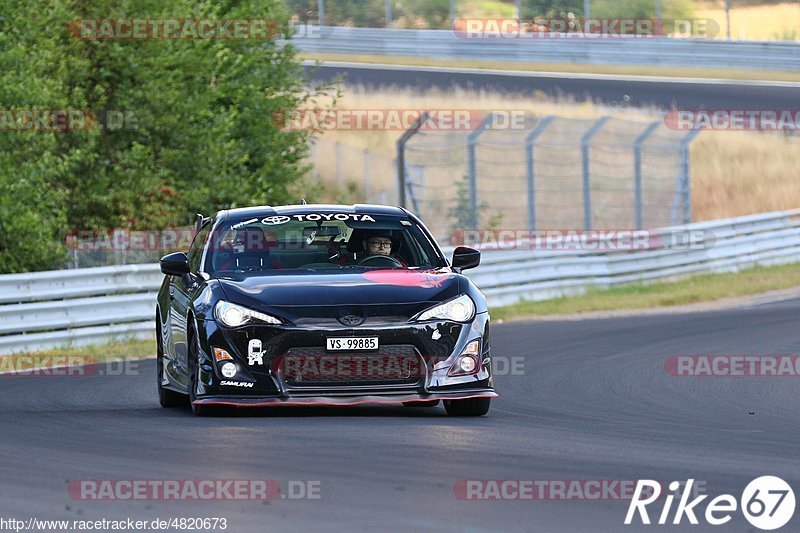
(194, 371)
(468, 407)
(166, 397)
(427, 403)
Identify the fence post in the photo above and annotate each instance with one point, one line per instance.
(314, 161)
(321, 10)
(339, 173)
(659, 18)
(587, 191)
(637, 184)
(728, 17)
(388, 5)
(401, 155)
(472, 171)
(367, 174)
(529, 164)
(686, 171)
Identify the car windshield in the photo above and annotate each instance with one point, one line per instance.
(319, 241)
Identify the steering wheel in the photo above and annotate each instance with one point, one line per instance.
(387, 260)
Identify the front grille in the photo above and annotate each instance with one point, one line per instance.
(398, 364)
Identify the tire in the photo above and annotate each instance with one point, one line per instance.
(166, 397)
(194, 370)
(468, 407)
(428, 403)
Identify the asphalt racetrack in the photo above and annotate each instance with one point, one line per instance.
(592, 402)
(632, 91)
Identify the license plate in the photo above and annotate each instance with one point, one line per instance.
(352, 343)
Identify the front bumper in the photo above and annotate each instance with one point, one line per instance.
(435, 345)
(340, 401)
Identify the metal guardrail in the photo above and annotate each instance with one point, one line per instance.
(508, 277)
(445, 44)
(96, 305)
(42, 310)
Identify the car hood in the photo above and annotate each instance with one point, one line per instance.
(307, 293)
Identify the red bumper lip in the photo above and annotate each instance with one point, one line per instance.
(398, 399)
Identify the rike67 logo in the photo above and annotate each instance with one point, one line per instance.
(767, 503)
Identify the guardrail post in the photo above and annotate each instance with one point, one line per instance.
(401, 155)
(637, 185)
(472, 172)
(388, 4)
(686, 171)
(529, 164)
(587, 191)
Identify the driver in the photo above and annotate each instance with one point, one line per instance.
(380, 243)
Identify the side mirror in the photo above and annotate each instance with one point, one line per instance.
(464, 258)
(176, 264)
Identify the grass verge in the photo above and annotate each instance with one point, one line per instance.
(126, 350)
(704, 288)
(571, 68)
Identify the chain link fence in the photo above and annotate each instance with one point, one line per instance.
(549, 172)
(555, 173)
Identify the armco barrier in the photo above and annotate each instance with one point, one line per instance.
(96, 305)
(445, 44)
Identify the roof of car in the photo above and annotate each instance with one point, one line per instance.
(361, 209)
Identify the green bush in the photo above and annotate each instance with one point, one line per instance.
(641, 9)
(551, 8)
(200, 134)
(361, 13)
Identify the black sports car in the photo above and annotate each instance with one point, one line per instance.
(321, 304)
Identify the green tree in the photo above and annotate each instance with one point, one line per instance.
(435, 13)
(360, 13)
(201, 134)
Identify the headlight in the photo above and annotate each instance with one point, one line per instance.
(233, 315)
(460, 309)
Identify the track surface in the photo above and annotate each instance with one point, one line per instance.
(612, 90)
(594, 403)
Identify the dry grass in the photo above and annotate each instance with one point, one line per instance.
(580, 68)
(759, 23)
(733, 173)
(739, 173)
